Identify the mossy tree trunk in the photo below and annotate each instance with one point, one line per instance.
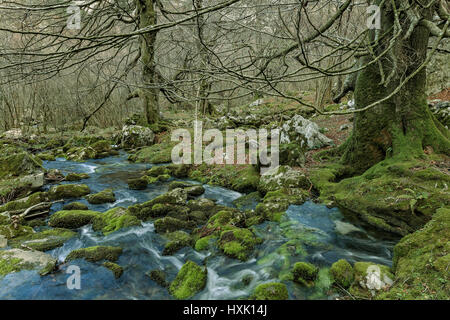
(403, 125)
(150, 92)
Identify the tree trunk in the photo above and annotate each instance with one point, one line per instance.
(403, 125)
(150, 92)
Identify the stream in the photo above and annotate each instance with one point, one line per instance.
(330, 236)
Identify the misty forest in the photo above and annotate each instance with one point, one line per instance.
(345, 101)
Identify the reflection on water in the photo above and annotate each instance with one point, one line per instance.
(309, 232)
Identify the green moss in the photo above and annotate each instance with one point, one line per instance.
(247, 201)
(370, 279)
(75, 206)
(97, 253)
(105, 196)
(45, 240)
(16, 260)
(305, 273)
(342, 273)
(72, 219)
(156, 171)
(169, 224)
(18, 164)
(9, 232)
(270, 291)
(77, 176)
(115, 268)
(158, 153)
(138, 183)
(204, 243)
(421, 262)
(24, 203)
(113, 220)
(65, 191)
(189, 280)
(238, 243)
(46, 156)
(178, 240)
(159, 277)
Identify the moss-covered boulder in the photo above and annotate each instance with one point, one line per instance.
(45, 240)
(238, 243)
(77, 176)
(169, 224)
(370, 279)
(72, 219)
(189, 280)
(22, 163)
(46, 156)
(157, 171)
(282, 177)
(67, 191)
(24, 203)
(80, 153)
(177, 241)
(137, 183)
(156, 154)
(75, 206)
(16, 260)
(10, 231)
(270, 291)
(97, 253)
(421, 262)
(113, 220)
(342, 273)
(115, 268)
(134, 136)
(305, 273)
(105, 196)
(204, 243)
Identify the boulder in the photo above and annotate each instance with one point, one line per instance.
(304, 133)
(65, 191)
(134, 136)
(105, 196)
(97, 253)
(270, 291)
(138, 183)
(16, 260)
(282, 177)
(189, 280)
(72, 219)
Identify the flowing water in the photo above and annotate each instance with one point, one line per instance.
(326, 234)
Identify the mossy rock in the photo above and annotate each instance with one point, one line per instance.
(24, 203)
(282, 177)
(248, 201)
(342, 273)
(97, 253)
(169, 224)
(77, 176)
(305, 273)
(421, 262)
(75, 206)
(10, 232)
(115, 268)
(72, 219)
(44, 240)
(238, 243)
(370, 279)
(179, 170)
(207, 206)
(46, 156)
(204, 243)
(105, 196)
(156, 154)
(189, 280)
(113, 220)
(67, 191)
(16, 260)
(158, 171)
(138, 183)
(159, 277)
(270, 291)
(178, 240)
(19, 164)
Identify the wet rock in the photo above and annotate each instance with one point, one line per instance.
(45, 240)
(105, 196)
(169, 224)
(159, 277)
(238, 243)
(189, 280)
(97, 253)
(178, 240)
(115, 268)
(16, 260)
(303, 132)
(134, 136)
(137, 184)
